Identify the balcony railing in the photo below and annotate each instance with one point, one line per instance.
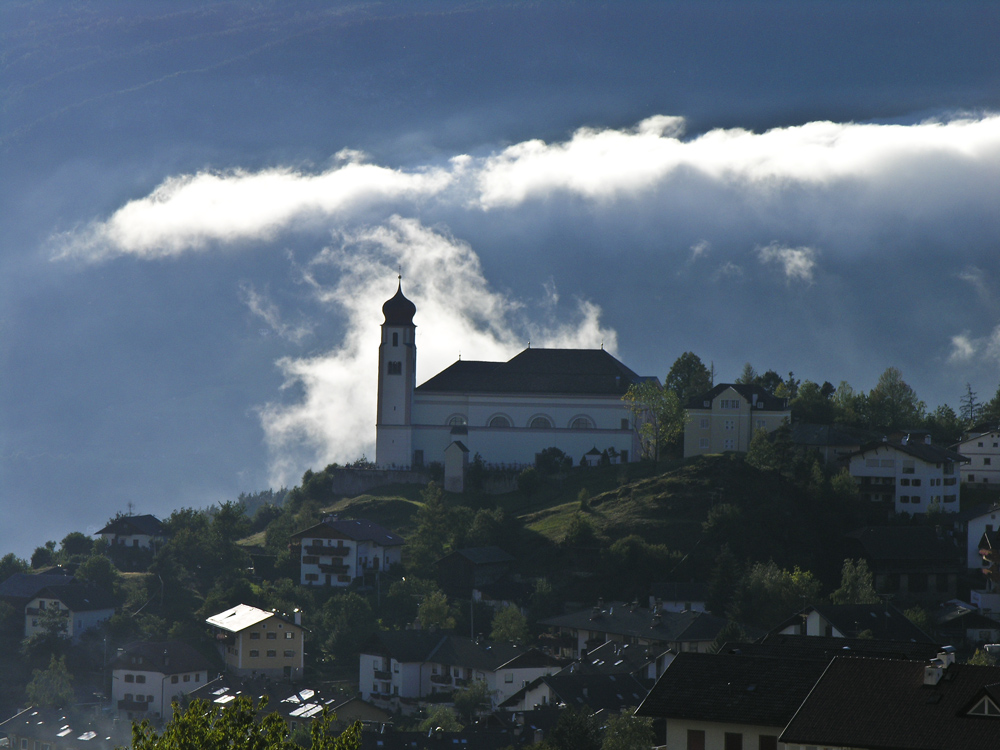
(334, 568)
(319, 549)
(133, 706)
(34, 611)
(441, 679)
(382, 675)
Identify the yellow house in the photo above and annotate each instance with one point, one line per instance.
(257, 642)
(726, 417)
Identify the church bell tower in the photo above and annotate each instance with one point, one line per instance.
(397, 374)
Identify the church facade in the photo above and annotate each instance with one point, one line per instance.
(505, 411)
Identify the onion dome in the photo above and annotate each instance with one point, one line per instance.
(398, 310)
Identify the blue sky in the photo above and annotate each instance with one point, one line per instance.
(203, 206)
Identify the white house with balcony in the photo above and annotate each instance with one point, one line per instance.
(77, 607)
(507, 412)
(983, 451)
(913, 476)
(400, 668)
(148, 675)
(335, 551)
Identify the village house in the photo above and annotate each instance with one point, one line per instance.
(877, 621)
(399, 668)
(147, 676)
(136, 532)
(607, 693)
(982, 449)
(80, 608)
(632, 624)
(726, 417)
(335, 551)
(254, 642)
(911, 476)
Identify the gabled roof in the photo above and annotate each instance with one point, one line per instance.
(916, 544)
(883, 621)
(26, 585)
(769, 402)
(165, 657)
(638, 622)
(358, 530)
(238, 618)
(610, 692)
(826, 648)
(551, 371)
(732, 689)
(79, 598)
(130, 525)
(989, 432)
(612, 657)
(409, 646)
(930, 454)
(882, 704)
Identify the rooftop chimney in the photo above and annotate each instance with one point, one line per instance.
(933, 672)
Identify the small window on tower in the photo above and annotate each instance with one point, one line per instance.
(395, 339)
(395, 368)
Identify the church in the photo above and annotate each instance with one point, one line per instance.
(505, 411)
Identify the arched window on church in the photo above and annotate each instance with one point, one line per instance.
(581, 423)
(499, 421)
(457, 420)
(540, 423)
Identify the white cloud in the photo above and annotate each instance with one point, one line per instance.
(962, 348)
(977, 279)
(457, 314)
(798, 262)
(698, 250)
(192, 211)
(262, 307)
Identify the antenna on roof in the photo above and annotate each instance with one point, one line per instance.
(529, 344)
(602, 345)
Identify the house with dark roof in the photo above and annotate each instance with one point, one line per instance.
(912, 563)
(463, 570)
(884, 704)
(80, 607)
(826, 648)
(134, 532)
(147, 676)
(909, 476)
(678, 596)
(878, 621)
(21, 588)
(507, 412)
(726, 417)
(832, 443)
(728, 700)
(610, 693)
(336, 551)
(64, 729)
(629, 623)
(644, 663)
(400, 668)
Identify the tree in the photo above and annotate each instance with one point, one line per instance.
(811, 405)
(723, 582)
(472, 699)
(241, 725)
(748, 376)
(52, 687)
(768, 594)
(401, 602)
(892, 404)
(434, 529)
(441, 717)
(657, 415)
(971, 408)
(434, 611)
(43, 555)
(855, 584)
(688, 377)
(760, 453)
(11, 564)
(510, 626)
(990, 411)
(626, 731)
(576, 730)
(75, 543)
(770, 381)
(349, 620)
(101, 572)
(846, 404)
(944, 425)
